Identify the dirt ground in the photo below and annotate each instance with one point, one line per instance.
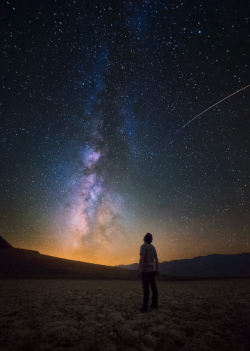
(103, 315)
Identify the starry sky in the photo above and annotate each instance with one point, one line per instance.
(93, 155)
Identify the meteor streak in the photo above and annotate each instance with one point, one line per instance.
(227, 97)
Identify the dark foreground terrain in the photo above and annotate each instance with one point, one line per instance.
(97, 315)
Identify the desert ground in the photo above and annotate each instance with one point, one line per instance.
(93, 315)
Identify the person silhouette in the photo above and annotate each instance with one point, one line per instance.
(148, 269)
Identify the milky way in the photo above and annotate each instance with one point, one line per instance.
(92, 96)
(91, 214)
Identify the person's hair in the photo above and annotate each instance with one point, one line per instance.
(148, 238)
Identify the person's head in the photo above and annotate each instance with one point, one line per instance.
(148, 238)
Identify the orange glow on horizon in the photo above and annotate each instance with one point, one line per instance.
(126, 257)
(124, 250)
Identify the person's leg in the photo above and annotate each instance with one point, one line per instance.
(145, 285)
(154, 290)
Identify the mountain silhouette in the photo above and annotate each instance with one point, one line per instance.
(211, 266)
(4, 244)
(21, 263)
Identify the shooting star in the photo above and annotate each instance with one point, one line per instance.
(227, 97)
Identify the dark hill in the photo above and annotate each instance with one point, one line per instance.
(4, 244)
(20, 263)
(211, 266)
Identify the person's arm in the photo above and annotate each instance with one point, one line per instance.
(156, 265)
(156, 262)
(140, 265)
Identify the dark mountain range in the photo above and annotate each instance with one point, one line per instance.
(20, 263)
(214, 266)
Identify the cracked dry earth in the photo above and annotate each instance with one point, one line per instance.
(103, 315)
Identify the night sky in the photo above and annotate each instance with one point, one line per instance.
(92, 96)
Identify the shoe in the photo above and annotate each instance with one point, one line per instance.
(153, 307)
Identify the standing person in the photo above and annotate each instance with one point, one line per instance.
(148, 268)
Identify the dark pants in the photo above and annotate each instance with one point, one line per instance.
(149, 278)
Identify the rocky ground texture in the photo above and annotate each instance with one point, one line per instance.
(103, 315)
